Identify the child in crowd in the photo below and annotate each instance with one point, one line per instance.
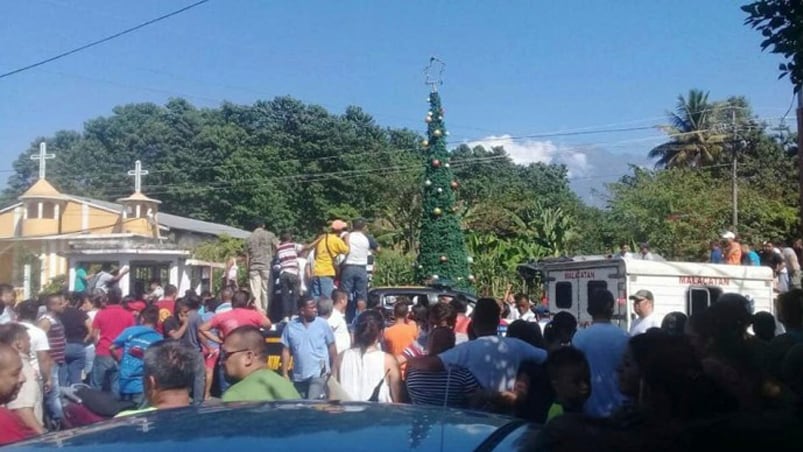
(570, 377)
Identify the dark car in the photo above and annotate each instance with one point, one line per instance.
(387, 296)
(291, 426)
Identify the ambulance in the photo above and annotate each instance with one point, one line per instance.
(677, 286)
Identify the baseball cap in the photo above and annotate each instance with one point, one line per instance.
(642, 294)
(339, 225)
(729, 235)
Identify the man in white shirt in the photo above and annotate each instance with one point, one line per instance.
(643, 306)
(337, 320)
(27, 312)
(354, 274)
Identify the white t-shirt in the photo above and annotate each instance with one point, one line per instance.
(39, 343)
(359, 249)
(337, 321)
(494, 361)
(30, 394)
(7, 316)
(641, 325)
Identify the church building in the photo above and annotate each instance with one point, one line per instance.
(47, 235)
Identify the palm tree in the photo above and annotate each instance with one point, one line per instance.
(695, 140)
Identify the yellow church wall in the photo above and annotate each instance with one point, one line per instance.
(136, 226)
(72, 220)
(39, 227)
(101, 221)
(7, 225)
(6, 265)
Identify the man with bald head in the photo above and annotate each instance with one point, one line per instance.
(244, 356)
(11, 381)
(28, 403)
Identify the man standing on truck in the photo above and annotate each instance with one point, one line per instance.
(643, 306)
(732, 253)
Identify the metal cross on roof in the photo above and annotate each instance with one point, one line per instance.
(433, 79)
(138, 172)
(43, 157)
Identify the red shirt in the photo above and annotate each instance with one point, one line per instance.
(166, 306)
(461, 326)
(226, 322)
(13, 428)
(110, 321)
(136, 306)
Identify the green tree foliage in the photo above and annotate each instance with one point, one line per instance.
(695, 136)
(781, 24)
(442, 254)
(295, 165)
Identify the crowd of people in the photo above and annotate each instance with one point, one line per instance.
(654, 386)
(722, 377)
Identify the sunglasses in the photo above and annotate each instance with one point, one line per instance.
(224, 355)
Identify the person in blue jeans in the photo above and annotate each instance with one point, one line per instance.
(76, 332)
(354, 270)
(133, 342)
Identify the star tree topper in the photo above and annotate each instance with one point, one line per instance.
(434, 73)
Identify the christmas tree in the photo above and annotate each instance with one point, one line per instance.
(442, 257)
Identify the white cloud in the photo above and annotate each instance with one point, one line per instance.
(531, 151)
(590, 167)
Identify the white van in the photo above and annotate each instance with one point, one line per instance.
(677, 286)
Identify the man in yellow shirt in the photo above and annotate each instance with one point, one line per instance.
(327, 247)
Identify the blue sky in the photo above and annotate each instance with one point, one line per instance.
(514, 68)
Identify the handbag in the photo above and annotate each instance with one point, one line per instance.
(375, 395)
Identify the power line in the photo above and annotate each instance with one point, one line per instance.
(106, 39)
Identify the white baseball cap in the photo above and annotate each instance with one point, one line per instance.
(728, 235)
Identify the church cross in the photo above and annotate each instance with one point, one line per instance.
(43, 157)
(138, 172)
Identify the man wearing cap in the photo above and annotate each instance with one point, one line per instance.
(260, 248)
(732, 252)
(327, 247)
(643, 306)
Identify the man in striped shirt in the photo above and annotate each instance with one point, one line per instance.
(289, 277)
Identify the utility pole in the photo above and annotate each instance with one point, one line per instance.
(800, 150)
(734, 188)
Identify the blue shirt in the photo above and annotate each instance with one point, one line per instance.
(309, 346)
(604, 345)
(80, 280)
(133, 341)
(716, 256)
(205, 317)
(494, 361)
(755, 259)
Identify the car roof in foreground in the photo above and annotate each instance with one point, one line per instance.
(292, 425)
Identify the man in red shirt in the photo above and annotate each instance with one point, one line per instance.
(108, 324)
(12, 428)
(240, 315)
(167, 306)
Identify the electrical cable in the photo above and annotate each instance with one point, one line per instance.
(102, 40)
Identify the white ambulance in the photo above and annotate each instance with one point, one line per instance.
(677, 286)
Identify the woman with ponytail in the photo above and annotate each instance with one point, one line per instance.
(365, 372)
